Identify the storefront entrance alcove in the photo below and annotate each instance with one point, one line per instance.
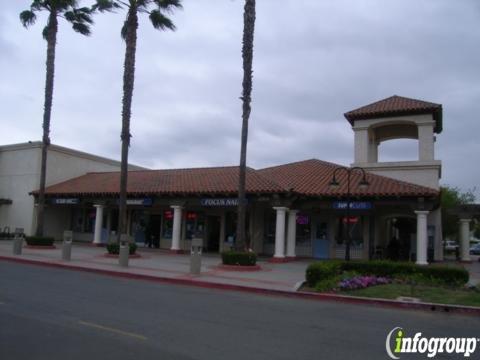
(213, 234)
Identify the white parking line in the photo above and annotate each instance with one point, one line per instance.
(113, 330)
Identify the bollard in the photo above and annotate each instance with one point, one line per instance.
(124, 251)
(67, 245)
(196, 256)
(17, 245)
(18, 241)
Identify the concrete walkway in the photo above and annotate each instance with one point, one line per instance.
(162, 264)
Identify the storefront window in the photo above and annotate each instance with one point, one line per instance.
(77, 222)
(140, 219)
(303, 229)
(90, 221)
(230, 227)
(167, 224)
(270, 225)
(195, 225)
(356, 230)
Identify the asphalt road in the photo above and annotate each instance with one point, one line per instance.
(59, 314)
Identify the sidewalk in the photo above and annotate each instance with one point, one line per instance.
(163, 265)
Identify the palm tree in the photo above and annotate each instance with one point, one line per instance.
(160, 21)
(81, 21)
(247, 55)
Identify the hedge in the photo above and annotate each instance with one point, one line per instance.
(114, 248)
(327, 269)
(5, 235)
(39, 240)
(239, 258)
(322, 270)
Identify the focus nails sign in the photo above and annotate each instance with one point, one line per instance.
(219, 202)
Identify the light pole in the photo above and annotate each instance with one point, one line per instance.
(362, 184)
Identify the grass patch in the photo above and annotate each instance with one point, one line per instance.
(431, 294)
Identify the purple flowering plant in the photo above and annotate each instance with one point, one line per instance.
(362, 282)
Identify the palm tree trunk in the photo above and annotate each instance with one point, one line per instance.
(51, 37)
(247, 55)
(128, 82)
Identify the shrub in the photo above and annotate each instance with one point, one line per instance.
(39, 240)
(322, 270)
(327, 284)
(381, 268)
(114, 248)
(239, 258)
(444, 274)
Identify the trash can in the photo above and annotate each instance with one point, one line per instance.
(196, 256)
(67, 245)
(124, 251)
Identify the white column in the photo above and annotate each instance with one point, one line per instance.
(422, 237)
(465, 239)
(97, 236)
(177, 226)
(361, 144)
(425, 142)
(280, 233)
(291, 233)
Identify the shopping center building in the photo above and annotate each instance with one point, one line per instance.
(293, 210)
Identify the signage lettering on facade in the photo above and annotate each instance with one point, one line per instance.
(219, 202)
(141, 202)
(354, 205)
(61, 201)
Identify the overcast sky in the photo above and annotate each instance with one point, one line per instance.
(313, 61)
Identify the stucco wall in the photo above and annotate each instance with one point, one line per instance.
(20, 173)
(420, 173)
(18, 176)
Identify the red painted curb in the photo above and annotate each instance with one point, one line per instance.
(115, 256)
(457, 309)
(177, 252)
(239, 267)
(40, 247)
(275, 260)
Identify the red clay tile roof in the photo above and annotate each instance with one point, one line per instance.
(176, 181)
(313, 177)
(309, 177)
(394, 106)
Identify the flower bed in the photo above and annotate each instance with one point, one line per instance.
(362, 282)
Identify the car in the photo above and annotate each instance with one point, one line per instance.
(451, 245)
(475, 249)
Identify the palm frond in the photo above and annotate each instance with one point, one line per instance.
(45, 32)
(82, 15)
(81, 28)
(37, 5)
(123, 32)
(106, 5)
(168, 5)
(160, 21)
(28, 18)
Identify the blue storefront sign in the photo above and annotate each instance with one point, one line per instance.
(65, 201)
(354, 205)
(139, 202)
(219, 202)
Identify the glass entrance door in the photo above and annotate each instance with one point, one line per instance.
(321, 242)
